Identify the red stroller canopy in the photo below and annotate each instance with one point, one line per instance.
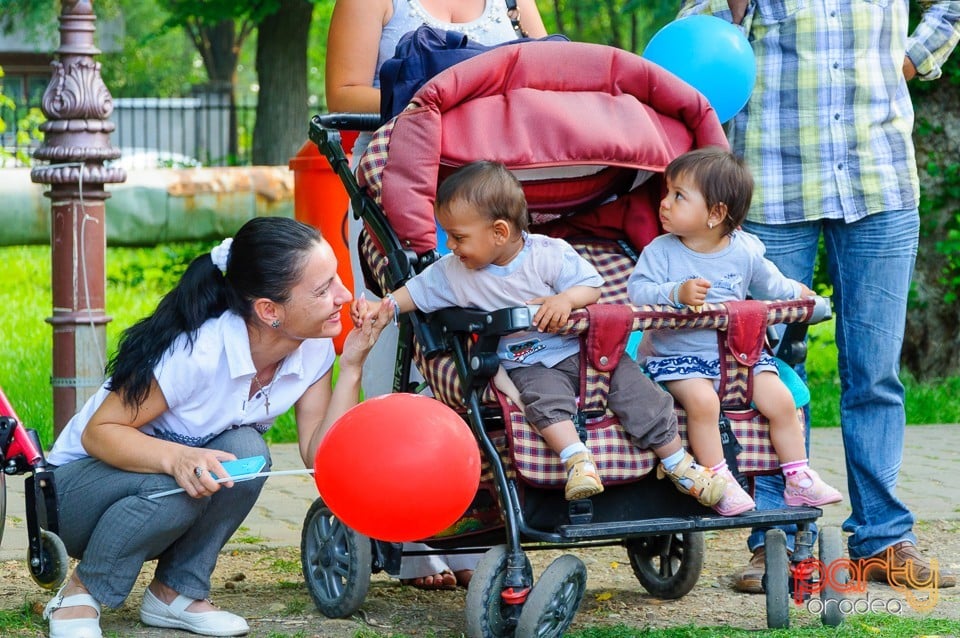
(545, 105)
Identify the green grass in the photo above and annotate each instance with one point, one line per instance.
(21, 618)
(927, 402)
(138, 277)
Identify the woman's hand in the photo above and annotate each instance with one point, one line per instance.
(368, 323)
(192, 468)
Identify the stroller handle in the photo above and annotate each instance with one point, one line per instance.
(350, 121)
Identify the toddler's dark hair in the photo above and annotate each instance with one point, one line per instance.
(489, 187)
(721, 177)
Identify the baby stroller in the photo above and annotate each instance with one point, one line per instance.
(21, 453)
(588, 129)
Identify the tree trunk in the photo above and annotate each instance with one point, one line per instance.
(282, 107)
(219, 49)
(932, 344)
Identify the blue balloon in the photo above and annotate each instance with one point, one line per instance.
(711, 55)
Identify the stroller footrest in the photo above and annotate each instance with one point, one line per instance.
(670, 525)
(580, 512)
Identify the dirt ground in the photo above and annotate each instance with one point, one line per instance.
(266, 586)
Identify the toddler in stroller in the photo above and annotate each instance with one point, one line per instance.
(597, 187)
(705, 256)
(494, 263)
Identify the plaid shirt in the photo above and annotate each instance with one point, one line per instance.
(827, 130)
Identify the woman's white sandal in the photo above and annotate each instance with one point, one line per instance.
(156, 613)
(73, 627)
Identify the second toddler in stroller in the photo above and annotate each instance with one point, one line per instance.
(705, 257)
(494, 263)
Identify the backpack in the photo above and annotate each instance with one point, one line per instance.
(423, 53)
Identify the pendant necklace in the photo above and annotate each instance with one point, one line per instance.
(265, 389)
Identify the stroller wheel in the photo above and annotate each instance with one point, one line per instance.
(668, 566)
(776, 576)
(555, 598)
(336, 562)
(54, 564)
(831, 550)
(488, 615)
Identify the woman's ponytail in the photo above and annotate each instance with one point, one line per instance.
(199, 295)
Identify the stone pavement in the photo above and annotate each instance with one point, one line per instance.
(930, 456)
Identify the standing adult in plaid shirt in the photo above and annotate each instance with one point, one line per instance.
(827, 134)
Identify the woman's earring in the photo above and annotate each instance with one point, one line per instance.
(709, 225)
(275, 324)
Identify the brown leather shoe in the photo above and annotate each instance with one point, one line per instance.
(749, 580)
(901, 565)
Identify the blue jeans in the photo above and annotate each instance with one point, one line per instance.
(870, 263)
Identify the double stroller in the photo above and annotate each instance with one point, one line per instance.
(588, 130)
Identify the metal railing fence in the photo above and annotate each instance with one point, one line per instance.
(151, 132)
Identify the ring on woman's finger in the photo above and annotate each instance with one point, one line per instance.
(198, 472)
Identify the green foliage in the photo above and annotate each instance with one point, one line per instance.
(948, 195)
(6, 104)
(317, 55)
(28, 128)
(211, 12)
(940, 211)
(159, 267)
(627, 24)
(152, 61)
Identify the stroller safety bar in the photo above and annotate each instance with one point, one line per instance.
(710, 316)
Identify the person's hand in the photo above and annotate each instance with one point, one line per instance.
(553, 313)
(738, 9)
(693, 292)
(358, 308)
(909, 70)
(806, 292)
(368, 322)
(192, 468)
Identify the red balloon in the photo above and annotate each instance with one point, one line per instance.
(399, 467)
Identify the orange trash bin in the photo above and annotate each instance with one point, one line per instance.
(319, 199)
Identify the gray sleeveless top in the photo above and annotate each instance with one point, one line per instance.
(492, 27)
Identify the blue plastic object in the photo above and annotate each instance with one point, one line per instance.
(711, 55)
(242, 467)
(633, 344)
(790, 378)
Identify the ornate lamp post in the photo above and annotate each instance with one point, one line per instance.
(76, 144)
